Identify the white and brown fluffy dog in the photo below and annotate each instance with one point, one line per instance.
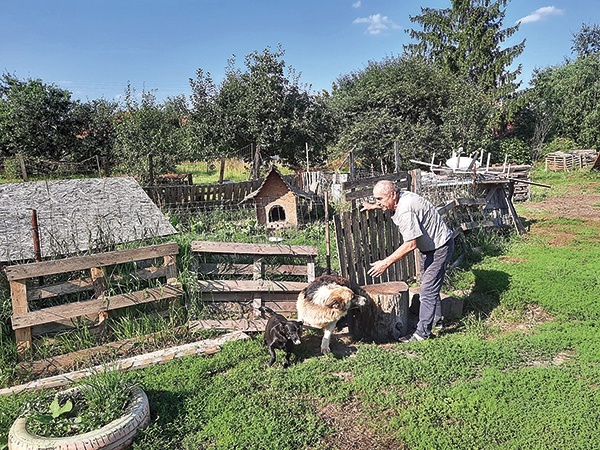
(325, 301)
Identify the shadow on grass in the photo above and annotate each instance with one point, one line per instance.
(485, 295)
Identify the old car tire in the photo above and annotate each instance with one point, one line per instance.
(116, 435)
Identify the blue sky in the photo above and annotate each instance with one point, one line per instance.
(95, 48)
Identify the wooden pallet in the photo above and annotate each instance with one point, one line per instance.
(27, 284)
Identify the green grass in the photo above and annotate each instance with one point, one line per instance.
(208, 172)
(521, 370)
(576, 182)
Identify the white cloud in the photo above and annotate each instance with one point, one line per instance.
(356, 4)
(377, 23)
(541, 14)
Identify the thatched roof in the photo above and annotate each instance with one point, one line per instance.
(75, 216)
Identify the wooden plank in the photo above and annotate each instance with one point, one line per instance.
(341, 249)
(87, 262)
(85, 284)
(363, 182)
(78, 309)
(365, 243)
(244, 325)
(388, 248)
(471, 201)
(247, 297)
(358, 245)
(247, 269)
(310, 269)
(515, 217)
(170, 265)
(465, 226)
(238, 248)
(357, 195)
(58, 289)
(18, 295)
(376, 223)
(249, 286)
(350, 256)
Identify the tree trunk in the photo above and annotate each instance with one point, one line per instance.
(385, 317)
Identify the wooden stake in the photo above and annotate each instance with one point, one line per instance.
(327, 237)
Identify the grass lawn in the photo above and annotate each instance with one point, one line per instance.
(520, 370)
(208, 172)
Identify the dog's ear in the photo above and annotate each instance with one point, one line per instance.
(360, 300)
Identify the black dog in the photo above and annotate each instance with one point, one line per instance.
(281, 333)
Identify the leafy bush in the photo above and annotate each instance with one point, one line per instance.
(560, 145)
(515, 150)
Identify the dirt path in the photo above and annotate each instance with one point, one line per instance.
(579, 202)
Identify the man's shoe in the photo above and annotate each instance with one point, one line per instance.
(411, 338)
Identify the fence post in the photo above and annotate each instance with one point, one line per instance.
(221, 170)
(151, 169)
(397, 157)
(327, 237)
(23, 169)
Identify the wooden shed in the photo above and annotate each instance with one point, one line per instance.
(279, 204)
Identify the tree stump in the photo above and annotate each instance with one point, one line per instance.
(385, 317)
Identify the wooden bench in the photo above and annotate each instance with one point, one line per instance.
(27, 285)
(260, 274)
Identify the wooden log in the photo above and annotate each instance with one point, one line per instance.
(386, 317)
(208, 346)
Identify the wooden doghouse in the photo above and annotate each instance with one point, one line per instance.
(279, 204)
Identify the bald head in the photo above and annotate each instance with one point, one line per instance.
(385, 194)
(384, 187)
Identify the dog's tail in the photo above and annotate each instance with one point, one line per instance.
(266, 309)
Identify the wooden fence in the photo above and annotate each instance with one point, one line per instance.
(102, 291)
(200, 195)
(365, 237)
(371, 235)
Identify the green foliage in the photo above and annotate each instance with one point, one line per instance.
(145, 129)
(565, 100)
(411, 102)
(101, 399)
(36, 119)
(12, 168)
(514, 149)
(97, 135)
(560, 145)
(265, 106)
(586, 41)
(466, 39)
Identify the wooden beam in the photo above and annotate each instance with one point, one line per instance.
(78, 309)
(237, 248)
(89, 261)
(364, 182)
(250, 286)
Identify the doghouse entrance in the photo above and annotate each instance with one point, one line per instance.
(277, 214)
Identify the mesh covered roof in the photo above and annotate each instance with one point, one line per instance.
(75, 216)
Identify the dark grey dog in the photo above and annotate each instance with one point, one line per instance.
(281, 333)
